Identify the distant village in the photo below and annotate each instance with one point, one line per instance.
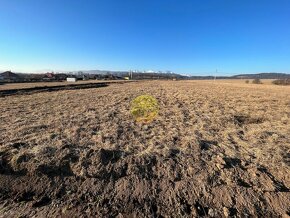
(11, 77)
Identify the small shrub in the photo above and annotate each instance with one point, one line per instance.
(247, 81)
(257, 81)
(283, 82)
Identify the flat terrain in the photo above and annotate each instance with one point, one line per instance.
(243, 81)
(10, 86)
(216, 149)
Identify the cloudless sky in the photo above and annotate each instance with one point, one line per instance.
(191, 36)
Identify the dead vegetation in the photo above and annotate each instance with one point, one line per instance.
(215, 150)
(256, 81)
(283, 82)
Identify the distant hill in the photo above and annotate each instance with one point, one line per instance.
(247, 76)
(263, 76)
(171, 75)
(138, 74)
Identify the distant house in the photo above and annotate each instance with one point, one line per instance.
(54, 77)
(60, 76)
(85, 77)
(71, 79)
(8, 76)
(48, 76)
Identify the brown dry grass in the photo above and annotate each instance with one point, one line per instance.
(241, 81)
(231, 139)
(9, 86)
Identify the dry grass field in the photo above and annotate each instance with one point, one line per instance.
(243, 81)
(216, 149)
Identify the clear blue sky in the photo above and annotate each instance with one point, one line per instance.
(192, 36)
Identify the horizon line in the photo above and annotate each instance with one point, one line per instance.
(204, 74)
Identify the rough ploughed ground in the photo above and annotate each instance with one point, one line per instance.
(215, 150)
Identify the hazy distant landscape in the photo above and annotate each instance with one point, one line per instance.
(9, 76)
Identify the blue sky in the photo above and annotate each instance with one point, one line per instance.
(193, 36)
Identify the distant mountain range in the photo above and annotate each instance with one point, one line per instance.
(171, 74)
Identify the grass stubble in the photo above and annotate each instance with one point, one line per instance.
(215, 149)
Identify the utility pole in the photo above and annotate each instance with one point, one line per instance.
(131, 74)
(216, 71)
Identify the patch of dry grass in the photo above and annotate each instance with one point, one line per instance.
(246, 120)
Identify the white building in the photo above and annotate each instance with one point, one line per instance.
(71, 79)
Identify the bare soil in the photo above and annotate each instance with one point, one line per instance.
(27, 85)
(31, 90)
(216, 149)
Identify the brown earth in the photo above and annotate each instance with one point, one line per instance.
(41, 85)
(32, 90)
(217, 149)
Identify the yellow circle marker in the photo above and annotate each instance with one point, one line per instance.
(144, 108)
